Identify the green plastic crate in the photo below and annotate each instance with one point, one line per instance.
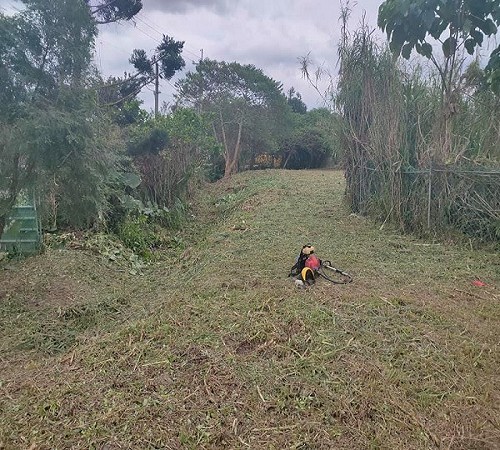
(22, 233)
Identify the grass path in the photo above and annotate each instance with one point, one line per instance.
(218, 349)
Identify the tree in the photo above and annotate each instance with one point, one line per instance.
(166, 61)
(107, 11)
(54, 135)
(76, 154)
(44, 47)
(241, 99)
(295, 102)
(312, 141)
(455, 24)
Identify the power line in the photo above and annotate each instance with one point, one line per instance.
(156, 51)
(121, 50)
(156, 59)
(145, 32)
(172, 85)
(149, 25)
(138, 17)
(138, 90)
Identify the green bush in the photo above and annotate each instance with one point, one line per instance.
(138, 234)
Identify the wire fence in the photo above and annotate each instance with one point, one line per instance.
(430, 198)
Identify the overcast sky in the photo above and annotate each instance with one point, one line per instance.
(270, 34)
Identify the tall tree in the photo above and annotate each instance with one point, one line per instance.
(241, 99)
(51, 125)
(455, 25)
(107, 11)
(46, 45)
(43, 47)
(165, 62)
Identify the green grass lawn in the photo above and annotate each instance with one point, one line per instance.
(212, 346)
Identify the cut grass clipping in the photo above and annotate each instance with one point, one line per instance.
(212, 346)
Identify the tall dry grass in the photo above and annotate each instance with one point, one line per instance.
(413, 157)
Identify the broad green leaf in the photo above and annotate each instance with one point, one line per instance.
(406, 51)
(426, 50)
(427, 19)
(398, 39)
(467, 26)
(470, 44)
(488, 27)
(449, 47)
(131, 179)
(478, 36)
(493, 71)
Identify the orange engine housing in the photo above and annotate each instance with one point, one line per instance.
(313, 262)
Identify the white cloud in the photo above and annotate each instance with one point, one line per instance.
(271, 34)
(183, 6)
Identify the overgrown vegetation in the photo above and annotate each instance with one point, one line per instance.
(92, 158)
(422, 145)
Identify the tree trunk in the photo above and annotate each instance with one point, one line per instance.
(232, 161)
(288, 156)
(3, 219)
(227, 154)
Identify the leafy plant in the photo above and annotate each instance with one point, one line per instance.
(137, 234)
(464, 24)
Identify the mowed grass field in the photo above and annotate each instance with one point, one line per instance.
(213, 347)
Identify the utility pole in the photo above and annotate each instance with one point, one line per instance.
(201, 91)
(157, 87)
